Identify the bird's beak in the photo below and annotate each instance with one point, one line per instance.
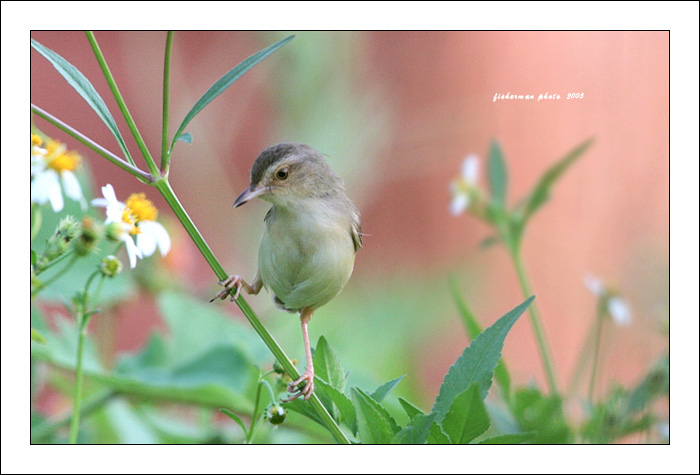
(251, 192)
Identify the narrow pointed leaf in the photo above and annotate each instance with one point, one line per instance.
(498, 175)
(383, 391)
(540, 193)
(467, 417)
(411, 410)
(327, 365)
(226, 80)
(235, 419)
(374, 425)
(83, 87)
(477, 362)
(473, 329)
(417, 431)
(341, 401)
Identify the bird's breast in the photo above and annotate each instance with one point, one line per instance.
(306, 255)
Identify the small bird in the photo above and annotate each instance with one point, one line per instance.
(312, 234)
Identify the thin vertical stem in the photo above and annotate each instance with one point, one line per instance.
(164, 154)
(596, 353)
(122, 105)
(75, 421)
(536, 324)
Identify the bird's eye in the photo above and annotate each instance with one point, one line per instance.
(282, 174)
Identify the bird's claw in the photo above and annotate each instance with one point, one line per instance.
(229, 283)
(306, 390)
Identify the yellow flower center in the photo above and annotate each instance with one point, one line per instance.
(36, 140)
(58, 159)
(141, 208)
(64, 161)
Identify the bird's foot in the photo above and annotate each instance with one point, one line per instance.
(229, 283)
(306, 390)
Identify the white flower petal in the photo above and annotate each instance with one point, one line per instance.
(619, 311)
(71, 185)
(459, 203)
(56, 198)
(131, 250)
(41, 186)
(108, 193)
(594, 285)
(146, 241)
(153, 234)
(470, 169)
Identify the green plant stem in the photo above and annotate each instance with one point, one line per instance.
(122, 106)
(596, 353)
(256, 415)
(89, 406)
(164, 154)
(163, 186)
(75, 421)
(536, 323)
(83, 314)
(121, 163)
(58, 274)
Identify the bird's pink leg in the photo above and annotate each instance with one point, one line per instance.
(308, 375)
(237, 281)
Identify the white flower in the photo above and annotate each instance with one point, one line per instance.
(462, 187)
(52, 174)
(614, 305)
(136, 217)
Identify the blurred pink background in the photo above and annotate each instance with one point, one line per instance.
(428, 102)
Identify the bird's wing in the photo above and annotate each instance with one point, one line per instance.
(356, 232)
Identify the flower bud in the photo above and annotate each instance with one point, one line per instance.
(275, 413)
(59, 241)
(111, 266)
(114, 231)
(88, 237)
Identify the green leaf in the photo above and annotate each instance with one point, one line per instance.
(467, 417)
(226, 80)
(374, 424)
(341, 401)
(654, 385)
(417, 431)
(498, 175)
(540, 193)
(508, 439)
(186, 137)
(477, 362)
(383, 391)
(35, 223)
(36, 336)
(236, 419)
(436, 435)
(473, 328)
(411, 410)
(489, 242)
(542, 415)
(83, 87)
(327, 365)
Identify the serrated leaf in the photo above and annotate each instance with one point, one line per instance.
(226, 80)
(436, 435)
(410, 409)
(83, 87)
(186, 137)
(341, 401)
(327, 365)
(473, 329)
(498, 175)
(477, 362)
(417, 431)
(383, 391)
(374, 424)
(540, 193)
(235, 419)
(467, 417)
(508, 439)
